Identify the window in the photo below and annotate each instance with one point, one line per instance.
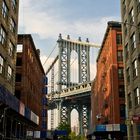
(138, 129)
(128, 75)
(129, 101)
(139, 32)
(1, 64)
(126, 51)
(11, 48)
(19, 61)
(133, 41)
(120, 73)
(2, 36)
(4, 9)
(19, 47)
(12, 25)
(137, 96)
(122, 111)
(124, 7)
(14, 5)
(131, 14)
(119, 39)
(135, 68)
(125, 30)
(121, 91)
(18, 77)
(9, 74)
(138, 6)
(119, 55)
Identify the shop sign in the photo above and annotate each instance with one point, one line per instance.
(22, 109)
(29, 133)
(34, 118)
(37, 120)
(116, 127)
(36, 134)
(109, 127)
(136, 119)
(101, 128)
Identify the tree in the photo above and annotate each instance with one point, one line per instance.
(64, 126)
(72, 136)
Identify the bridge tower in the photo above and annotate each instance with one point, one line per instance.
(70, 95)
(65, 48)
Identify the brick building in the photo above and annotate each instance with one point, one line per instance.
(108, 96)
(130, 13)
(8, 41)
(15, 116)
(29, 80)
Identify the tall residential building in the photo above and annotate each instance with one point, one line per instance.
(8, 40)
(30, 81)
(108, 96)
(130, 13)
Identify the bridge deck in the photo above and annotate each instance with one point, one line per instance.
(72, 91)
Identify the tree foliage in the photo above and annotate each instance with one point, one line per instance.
(64, 126)
(73, 136)
(70, 135)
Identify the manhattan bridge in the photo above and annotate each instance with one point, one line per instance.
(67, 94)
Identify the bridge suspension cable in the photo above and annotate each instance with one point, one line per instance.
(54, 78)
(50, 54)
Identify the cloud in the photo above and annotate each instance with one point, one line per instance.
(46, 25)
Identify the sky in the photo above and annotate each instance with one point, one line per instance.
(45, 19)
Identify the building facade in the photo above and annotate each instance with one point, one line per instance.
(8, 41)
(130, 13)
(16, 118)
(29, 80)
(108, 96)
